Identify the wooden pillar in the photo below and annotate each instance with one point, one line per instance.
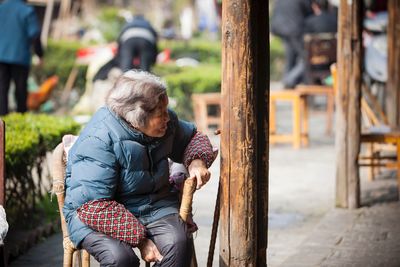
(244, 138)
(2, 162)
(348, 111)
(393, 83)
(47, 21)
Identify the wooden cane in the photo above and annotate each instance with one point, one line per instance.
(185, 210)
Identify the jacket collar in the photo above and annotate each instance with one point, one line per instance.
(136, 134)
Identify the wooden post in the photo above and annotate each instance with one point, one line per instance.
(348, 111)
(47, 21)
(393, 83)
(244, 137)
(2, 162)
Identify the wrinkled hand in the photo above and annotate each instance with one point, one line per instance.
(149, 251)
(198, 170)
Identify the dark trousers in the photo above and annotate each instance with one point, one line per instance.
(138, 48)
(18, 74)
(169, 234)
(294, 61)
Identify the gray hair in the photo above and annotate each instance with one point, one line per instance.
(135, 96)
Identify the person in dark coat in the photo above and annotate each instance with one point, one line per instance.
(137, 48)
(137, 41)
(323, 20)
(19, 30)
(287, 22)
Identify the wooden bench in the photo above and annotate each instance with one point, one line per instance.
(202, 117)
(299, 134)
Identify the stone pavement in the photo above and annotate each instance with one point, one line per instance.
(369, 236)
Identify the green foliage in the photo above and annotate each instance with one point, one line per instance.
(182, 84)
(276, 58)
(166, 69)
(49, 207)
(59, 59)
(28, 138)
(204, 51)
(111, 23)
(28, 135)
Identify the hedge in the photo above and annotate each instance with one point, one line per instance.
(28, 138)
(182, 84)
(27, 135)
(201, 50)
(276, 58)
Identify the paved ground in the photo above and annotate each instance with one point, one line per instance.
(304, 228)
(366, 237)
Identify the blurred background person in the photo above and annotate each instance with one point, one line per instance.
(323, 21)
(19, 30)
(137, 48)
(137, 45)
(287, 22)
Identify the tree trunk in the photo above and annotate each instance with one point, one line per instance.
(244, 139)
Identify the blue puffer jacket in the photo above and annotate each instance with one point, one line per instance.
(110, 160)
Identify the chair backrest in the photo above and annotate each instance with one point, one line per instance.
(320, 54)
(58, 173)
(59, 160)
(372, 114)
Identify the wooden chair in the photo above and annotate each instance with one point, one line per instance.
(379, 137)
(201, 103)
(82, 257)
(320, 54)
(71, 253)
(375, 158)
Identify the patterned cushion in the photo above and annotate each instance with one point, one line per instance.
(112, 218)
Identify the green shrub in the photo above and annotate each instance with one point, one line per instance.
(276, 59)
(28, 135)
(210, 52)
(201, 50)
(181, 86)
(165, 69)
(111, 23)
(28, 138)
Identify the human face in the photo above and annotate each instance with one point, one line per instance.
(156, 125)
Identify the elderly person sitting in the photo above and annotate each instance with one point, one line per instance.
(118, 193)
